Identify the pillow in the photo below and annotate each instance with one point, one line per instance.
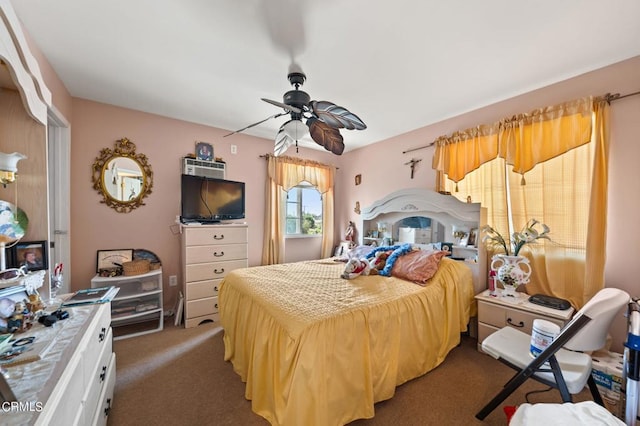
(418, 266)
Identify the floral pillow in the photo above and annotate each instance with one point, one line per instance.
(418, 266)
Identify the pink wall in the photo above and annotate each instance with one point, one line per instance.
(165, 141)
(383, 170)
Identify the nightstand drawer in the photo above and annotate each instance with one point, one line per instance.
(217, 235)
(491, 314)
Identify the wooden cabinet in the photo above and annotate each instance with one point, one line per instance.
(74, 382)
(496, 312)
(138, 300)
(209, 253)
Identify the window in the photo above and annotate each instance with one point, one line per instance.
(304, 210)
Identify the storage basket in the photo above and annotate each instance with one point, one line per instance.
(135, 267)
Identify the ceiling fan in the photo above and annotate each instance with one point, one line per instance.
(322, 119)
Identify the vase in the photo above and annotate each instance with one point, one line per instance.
(511, 271)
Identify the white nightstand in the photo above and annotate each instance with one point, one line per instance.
(495, 312)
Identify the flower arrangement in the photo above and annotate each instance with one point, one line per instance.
(529, 234)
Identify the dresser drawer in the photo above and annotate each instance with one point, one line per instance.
(216, 253)
(99, 336)
(217, 235)
(97, 379)
(105, 400)
(212, 270)
(206, 306)
(201, 289)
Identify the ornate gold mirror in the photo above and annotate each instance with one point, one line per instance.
(122, 176)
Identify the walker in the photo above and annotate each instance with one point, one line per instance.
(632, 363)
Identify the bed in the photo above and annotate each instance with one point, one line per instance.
(317, 349)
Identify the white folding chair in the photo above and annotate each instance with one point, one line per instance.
(562, 364)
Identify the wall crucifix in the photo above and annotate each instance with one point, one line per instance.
(412, 164)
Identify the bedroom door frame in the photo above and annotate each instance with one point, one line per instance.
(59, 163)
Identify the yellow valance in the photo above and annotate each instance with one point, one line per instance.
(290, 171)
(523, 140)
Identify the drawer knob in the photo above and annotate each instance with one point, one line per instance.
(216, 254)
(102, 335)
(519, 325)
(218, 237)
(215, 288)
(221, 271)
(104, 373)
(216, 306)
(107, 409)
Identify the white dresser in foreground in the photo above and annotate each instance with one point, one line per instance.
(74, 382)
(209, 253)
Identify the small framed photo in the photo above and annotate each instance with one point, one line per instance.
(109, 259)
(204, 151)
(32, 254)
(473, 238)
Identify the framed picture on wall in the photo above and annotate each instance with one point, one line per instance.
(204, 151)
(32, 254)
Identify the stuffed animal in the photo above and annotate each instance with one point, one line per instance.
(378, 262)
(355, 267)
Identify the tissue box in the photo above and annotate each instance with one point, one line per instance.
(607, 371)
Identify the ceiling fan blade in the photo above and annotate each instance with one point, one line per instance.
(283, 142)
(281, 105)
(336, 116)
(326, 136)
(255, 124)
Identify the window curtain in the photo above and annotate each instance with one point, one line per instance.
(564, 152)
(283, 173)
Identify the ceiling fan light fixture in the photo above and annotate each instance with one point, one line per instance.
(295, 129)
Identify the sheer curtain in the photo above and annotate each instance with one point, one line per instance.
(563, 152)
(283, 173)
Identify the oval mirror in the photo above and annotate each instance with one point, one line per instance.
(122, 176)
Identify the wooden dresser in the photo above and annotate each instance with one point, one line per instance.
(73, 384)
(209, 253)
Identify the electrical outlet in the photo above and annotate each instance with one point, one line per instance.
(234, 149)
(173, 281)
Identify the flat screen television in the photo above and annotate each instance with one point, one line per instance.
(210, 200)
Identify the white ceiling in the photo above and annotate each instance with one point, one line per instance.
(399, 65)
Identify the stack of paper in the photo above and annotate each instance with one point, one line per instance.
(92, 295)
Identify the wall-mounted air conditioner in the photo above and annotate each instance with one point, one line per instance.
(212, 169)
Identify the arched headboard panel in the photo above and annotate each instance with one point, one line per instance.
(446, 213)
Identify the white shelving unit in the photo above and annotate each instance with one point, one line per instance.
(139, 300)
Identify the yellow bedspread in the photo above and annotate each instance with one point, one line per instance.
(316, 349)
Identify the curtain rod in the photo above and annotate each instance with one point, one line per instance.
(609, 97)
(266, 157)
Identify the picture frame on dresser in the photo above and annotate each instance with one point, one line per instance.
(32, 254)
